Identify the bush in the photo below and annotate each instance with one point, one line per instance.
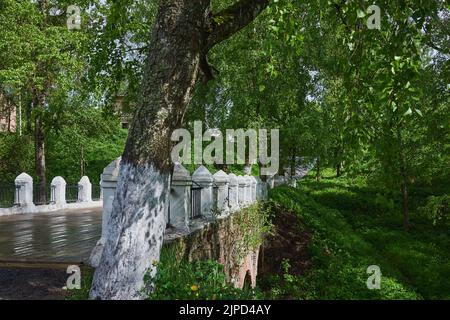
(179, 279)
(437, 209)
(355, 225)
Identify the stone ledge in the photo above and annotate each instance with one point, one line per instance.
(49, 208)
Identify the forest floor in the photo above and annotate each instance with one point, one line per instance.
(28, 281)
(351, 225)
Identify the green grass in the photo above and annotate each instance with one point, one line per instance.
(356, 225)
(87, 273)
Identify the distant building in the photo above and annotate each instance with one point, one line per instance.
(119, 105)
(8, 115)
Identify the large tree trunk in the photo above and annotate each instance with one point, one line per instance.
(405, 209)
(182, 35)
(137, 221)
(338, 169)
(40, 160)
(318, 169)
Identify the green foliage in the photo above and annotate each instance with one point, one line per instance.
(178, 279)
(87, 274)
(354, 226)
(254, 223)
(437, 209)
(90, 138)
(21, 150)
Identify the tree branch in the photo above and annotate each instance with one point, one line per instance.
(231, 20)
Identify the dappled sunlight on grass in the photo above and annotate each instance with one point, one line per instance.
(356, 225)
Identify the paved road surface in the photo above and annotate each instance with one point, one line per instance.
(63, 236)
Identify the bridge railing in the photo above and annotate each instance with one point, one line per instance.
(196, 198)
(7, 196)
(193, 199)
(25, 197)
(196, 202)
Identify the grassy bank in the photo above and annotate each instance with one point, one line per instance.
(336, 229)
(354, 226)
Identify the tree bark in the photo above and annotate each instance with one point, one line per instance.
(338, 169)
(405, 208)
(39, 151)
(180, 41)
(318, 169)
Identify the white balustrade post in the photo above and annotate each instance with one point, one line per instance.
(265, 189)
(233, 192)
(241, 194)
(24, 190)
(259, 191)
(101, 190)
(248, 190)
(221, 180)
(180, 198)
(108, 186)
(254, 182)
(84, 190)
(203, 178)
(58, 191)
(271, 182)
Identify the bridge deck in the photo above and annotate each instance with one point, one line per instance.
(63, 236)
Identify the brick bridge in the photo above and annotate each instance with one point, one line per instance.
(201, 217)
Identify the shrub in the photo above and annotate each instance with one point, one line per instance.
(437, 209)
(179, 279)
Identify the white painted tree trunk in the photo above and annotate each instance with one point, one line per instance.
(135, 230)
(182, 36)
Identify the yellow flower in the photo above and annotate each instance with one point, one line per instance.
(194, 287)
(155, 263)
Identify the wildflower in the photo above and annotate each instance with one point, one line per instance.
(194, 287)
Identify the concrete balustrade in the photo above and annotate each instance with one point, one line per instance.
(58, 191)
(221, 180)
(24, 202)
(259, 188)
(270, 182)
(84, 190)
(204, 179)
(248, 190)
(233, 196)
(241, 191)
(24, 191)
(180, 198)
(109, 184)
(254, 183)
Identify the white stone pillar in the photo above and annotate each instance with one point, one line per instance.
(248, 190)
(204, 179)
(58, 191)
(180, 198)
(253, 188)
(241, 194)
(101, 190)
(221, 180)
(233, 192)
(271, 182)
(265, 190)
(259, 191)
(84, 190)
(24, 190)
(109, 186)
